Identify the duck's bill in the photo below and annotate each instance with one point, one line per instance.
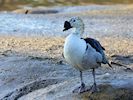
(67, 26)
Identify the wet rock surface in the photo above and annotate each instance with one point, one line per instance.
(107, 91)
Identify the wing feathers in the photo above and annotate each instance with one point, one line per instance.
(99, 48)
(95, 44)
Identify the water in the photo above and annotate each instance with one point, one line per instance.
(115, 22)
(27, 25)
(52, 25)
(15, 4)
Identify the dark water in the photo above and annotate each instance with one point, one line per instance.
(15, 4)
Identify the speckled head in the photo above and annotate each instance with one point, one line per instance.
(76, 22)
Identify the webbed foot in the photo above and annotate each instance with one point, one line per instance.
(94, 88)
(80, 89)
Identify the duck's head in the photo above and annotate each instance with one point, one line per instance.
(75, 22)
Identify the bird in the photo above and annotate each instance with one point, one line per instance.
(83, 53)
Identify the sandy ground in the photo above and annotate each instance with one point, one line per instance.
(52, 47)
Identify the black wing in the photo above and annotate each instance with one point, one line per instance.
(99, 48)
(95, 44)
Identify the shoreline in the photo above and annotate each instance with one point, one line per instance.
(101, 20)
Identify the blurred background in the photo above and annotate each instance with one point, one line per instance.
(8, 5)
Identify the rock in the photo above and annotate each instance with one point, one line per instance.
(38, 10)
(20, 11)
(29, 88)
(63, 91)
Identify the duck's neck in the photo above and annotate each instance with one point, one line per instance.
(79, 31)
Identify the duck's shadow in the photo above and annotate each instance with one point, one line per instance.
(124, 59)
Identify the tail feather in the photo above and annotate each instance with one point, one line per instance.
(109, 65)
(105, 60)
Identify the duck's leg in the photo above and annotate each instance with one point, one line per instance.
(94, 87)
(80, 89)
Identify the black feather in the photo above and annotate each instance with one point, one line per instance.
(98, 47)
(95, 44)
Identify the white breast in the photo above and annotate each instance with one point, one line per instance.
(74, 49)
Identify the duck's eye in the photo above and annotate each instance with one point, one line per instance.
(73, 20)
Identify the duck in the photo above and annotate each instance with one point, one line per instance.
(83, 53)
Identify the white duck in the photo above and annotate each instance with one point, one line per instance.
(83, 54)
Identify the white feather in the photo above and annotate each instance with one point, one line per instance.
(75, 51)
